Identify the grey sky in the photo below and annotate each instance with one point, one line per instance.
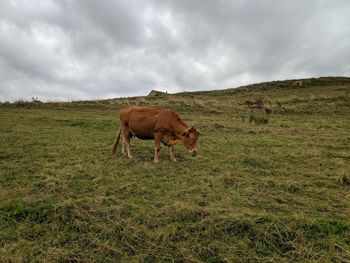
(89, 49)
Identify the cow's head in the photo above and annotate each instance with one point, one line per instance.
(189, 139)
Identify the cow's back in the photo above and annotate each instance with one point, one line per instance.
(140, 121)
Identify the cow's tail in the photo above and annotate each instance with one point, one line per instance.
(116, 140)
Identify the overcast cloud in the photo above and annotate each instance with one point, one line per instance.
(89, 49)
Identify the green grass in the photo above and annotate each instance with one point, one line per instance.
(273, 192)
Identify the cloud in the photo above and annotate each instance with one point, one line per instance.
(85, 49)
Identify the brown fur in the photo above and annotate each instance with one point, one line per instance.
(161, 125)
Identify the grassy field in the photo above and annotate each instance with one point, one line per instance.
(257, 192)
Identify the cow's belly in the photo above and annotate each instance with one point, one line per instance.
(141, 133)
(144, 137)
(142, 127)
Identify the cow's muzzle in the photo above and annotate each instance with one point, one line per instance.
(193, 152)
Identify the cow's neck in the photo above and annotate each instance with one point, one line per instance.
(180, 128)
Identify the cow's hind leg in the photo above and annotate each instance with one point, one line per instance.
(157, 140)
(127, 142)
(123, 145)
(171, 151)
(117, 140)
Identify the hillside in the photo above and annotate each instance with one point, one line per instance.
(269, 184)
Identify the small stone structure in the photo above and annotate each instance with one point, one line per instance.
(155, 93)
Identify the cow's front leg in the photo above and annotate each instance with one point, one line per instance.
(157, 140)
(171, 151)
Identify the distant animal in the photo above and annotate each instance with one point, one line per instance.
(298, 83)
(259, 103)
(161, 125)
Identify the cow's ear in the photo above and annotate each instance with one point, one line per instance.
(196, 130)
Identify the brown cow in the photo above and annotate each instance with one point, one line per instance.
(164, 126)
